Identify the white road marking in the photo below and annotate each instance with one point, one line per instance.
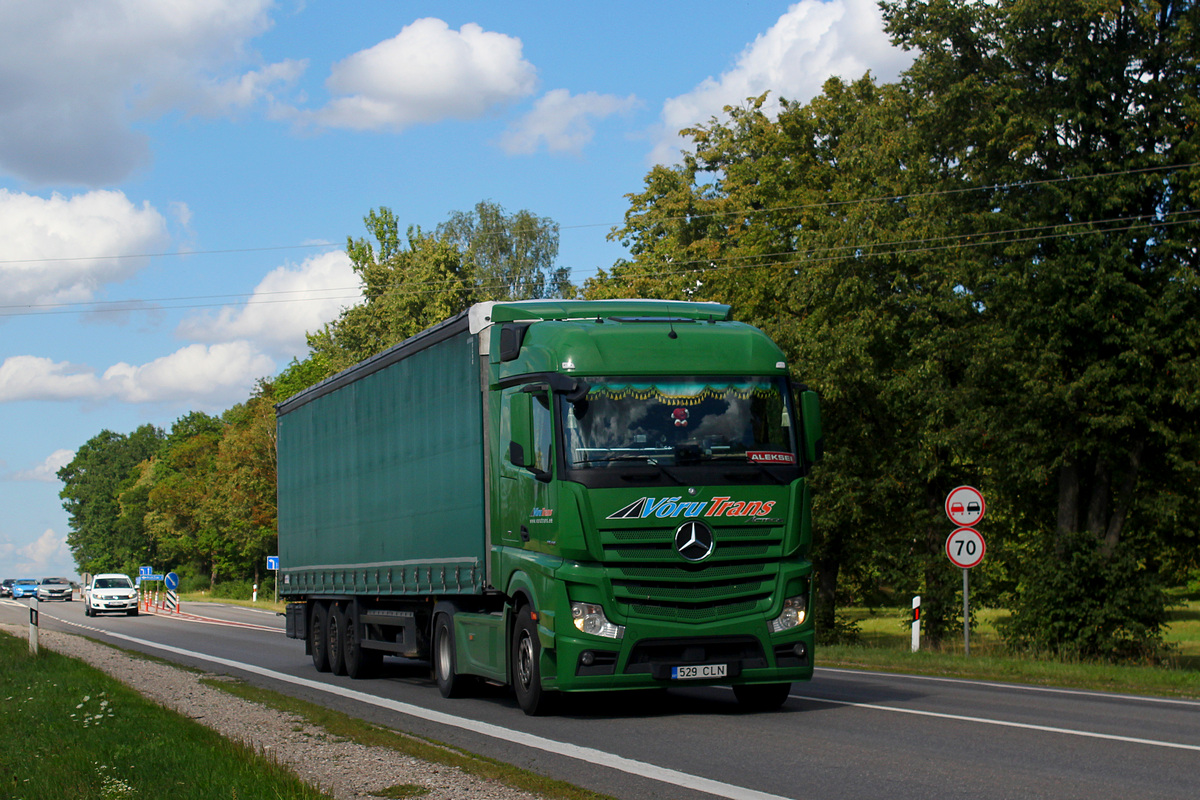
(1004, 724)
(1018, 687)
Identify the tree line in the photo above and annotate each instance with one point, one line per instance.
(988, 269)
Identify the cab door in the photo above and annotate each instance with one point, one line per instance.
(526, 486)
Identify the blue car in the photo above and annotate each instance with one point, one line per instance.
(24, 587)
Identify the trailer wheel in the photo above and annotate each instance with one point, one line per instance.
(318, 636)
(360, 663)
(445, 660)
(336, 627)
(762, 696)
(526, 666)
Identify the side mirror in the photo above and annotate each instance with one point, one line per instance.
(814, 439)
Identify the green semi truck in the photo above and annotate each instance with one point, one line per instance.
(560, 496)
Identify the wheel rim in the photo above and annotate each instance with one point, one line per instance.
(443, 655)
(335, 635)
(525, 660)
(318, 639)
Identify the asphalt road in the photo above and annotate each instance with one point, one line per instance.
(846, 734)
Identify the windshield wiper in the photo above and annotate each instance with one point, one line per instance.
(649, 459)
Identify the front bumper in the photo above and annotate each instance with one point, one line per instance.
(119, 604)
(583, 663)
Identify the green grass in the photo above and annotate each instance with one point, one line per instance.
(886, 646)
(71, 731)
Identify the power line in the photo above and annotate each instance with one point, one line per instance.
(734, 212)
(695, 267)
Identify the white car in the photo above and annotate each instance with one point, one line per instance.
(110, 592)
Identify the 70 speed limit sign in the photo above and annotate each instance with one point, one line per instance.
(965, 547)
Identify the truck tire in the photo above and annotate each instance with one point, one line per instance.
(445, 660)
(762, 696)
(336, 636)
(360, 662)
(526, 654)
(318, 636)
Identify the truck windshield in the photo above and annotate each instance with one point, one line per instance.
(680, 421)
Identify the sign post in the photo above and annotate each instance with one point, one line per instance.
(965, 547)
(171, 582)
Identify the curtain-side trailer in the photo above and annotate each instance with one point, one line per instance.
(559, 496)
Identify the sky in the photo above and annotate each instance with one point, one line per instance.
(178, 180)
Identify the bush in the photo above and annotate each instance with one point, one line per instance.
(1081, 605)
(842, 631)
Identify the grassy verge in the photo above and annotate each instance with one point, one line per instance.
(73, 731)
(886, 646)
(344, 726)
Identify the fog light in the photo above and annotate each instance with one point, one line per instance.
(801, 650)
(587, 658)
(795, 611)
(590, 618)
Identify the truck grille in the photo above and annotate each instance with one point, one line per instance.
(652, 581)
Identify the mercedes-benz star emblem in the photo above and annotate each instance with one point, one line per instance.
(694, 541)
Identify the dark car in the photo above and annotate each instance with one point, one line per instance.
(6, 587)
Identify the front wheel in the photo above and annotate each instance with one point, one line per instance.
(526, 655)
(762, 696)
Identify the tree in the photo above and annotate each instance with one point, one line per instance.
(101, 539)
(179, 511)
(241, 504)
(1076, 124)
(415, 282)
(512, 255)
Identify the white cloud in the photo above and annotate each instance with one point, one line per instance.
(69, 244)
(199, 374)
(78, 74)
(288, 303)
(36, 378)
(47, 548)
(813, 41)
(426, 73)
(562, 122)
(47, 471)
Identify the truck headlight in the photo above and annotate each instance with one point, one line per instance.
(590, 618)
(795, 610)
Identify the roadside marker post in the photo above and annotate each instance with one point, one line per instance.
(916, 624)
(33, 625)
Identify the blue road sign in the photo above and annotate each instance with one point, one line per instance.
(172, 581)
(145, 572)
(273, 562)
